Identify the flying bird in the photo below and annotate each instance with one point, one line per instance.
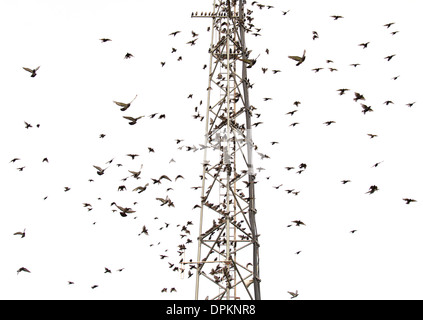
(32, 71)
(174, 33)
(358, 96)
(20, 233)
(100, 171)
(144, 230)
(124, 211)
(408, 200)
(328, 123)
(366, 108)
(141, 188)
(124, 106)
(192, 42)
(128, 55)
(376, 164)
(298, 59)
(132, 155)
(293, 294)
(298, 223)
(23, 269)
(388, 58)
(342, 91)
(372, 189)
(132, 120)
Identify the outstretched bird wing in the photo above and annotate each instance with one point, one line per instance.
(296, 58)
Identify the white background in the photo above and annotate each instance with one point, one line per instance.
(72, 100)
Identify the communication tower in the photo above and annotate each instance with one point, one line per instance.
(227, 265)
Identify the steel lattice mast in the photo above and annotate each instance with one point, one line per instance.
(228, 248)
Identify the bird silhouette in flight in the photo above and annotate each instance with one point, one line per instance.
(366, 108)
(128, 55)
(20, 233)
(23, 269)
(124, 106)
(364, 44)
(358, 96)
(388, 25)
(132, 120)
(135, 174)
(336, 17)
(103, 40)
(132, 155)
(174, 33)
(328, 123)
(408, 200)
(100, 171)
(293, 294)
(124, 211)
(299, 60)
(298, 223)
(192, 42)
(372, 189)
(376, 164)
(388, 58)
(32, 71)
(141, 188)
(342, 91)
(144, 230)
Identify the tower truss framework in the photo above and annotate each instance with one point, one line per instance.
(228, 248)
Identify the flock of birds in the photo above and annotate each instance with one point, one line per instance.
(135, 172)
(358, 97)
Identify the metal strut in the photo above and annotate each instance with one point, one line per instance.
(228, 248)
